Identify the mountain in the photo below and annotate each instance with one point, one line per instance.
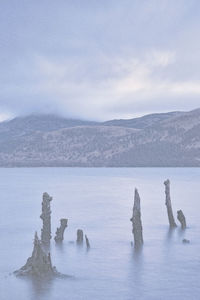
(160, 140)
(142, 122)
(44, 123)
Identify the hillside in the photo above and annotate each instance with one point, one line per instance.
(142, 122)
(163, 140)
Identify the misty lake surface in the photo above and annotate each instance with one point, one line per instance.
(100, 202)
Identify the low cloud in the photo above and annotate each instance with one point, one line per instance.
(131, 85)
(83, 61)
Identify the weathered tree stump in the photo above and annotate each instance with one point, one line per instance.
(181, 218)
(39, 264)
(60, 231)
(87, 242)
(46, 218)
(169, 204)
(136, 221)
(79, 239)
(185, 241)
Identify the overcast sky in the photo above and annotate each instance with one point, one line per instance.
(99, 59)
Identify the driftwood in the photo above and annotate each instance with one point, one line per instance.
(46, 218)
(181, 218)
(169, 204)
(60, 231)
(136, 221)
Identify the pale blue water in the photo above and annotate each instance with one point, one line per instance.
(100, 202)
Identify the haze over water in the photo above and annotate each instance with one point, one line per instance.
(100, 202)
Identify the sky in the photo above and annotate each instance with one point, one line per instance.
(99, 60)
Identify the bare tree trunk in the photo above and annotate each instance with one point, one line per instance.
(46, 218)
(169, 204)
(136, 221)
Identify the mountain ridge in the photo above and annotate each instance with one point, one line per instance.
(156, 140)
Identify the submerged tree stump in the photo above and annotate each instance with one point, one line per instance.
(181, 218)
(87, 242)
(169, 204)
(79, 239)
(136, 221)
(39, 264)
(185, 241)
(46, 218)
(60, 231)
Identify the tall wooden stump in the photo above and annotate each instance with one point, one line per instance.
(168, 203)
(136, 221)
(46, 219)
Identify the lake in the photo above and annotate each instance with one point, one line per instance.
(100, 201)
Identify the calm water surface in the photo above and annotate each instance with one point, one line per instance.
(100, 202)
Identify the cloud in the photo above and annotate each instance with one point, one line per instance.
(160, 58)
(131, 85)
(4, 117)
(99, 61)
